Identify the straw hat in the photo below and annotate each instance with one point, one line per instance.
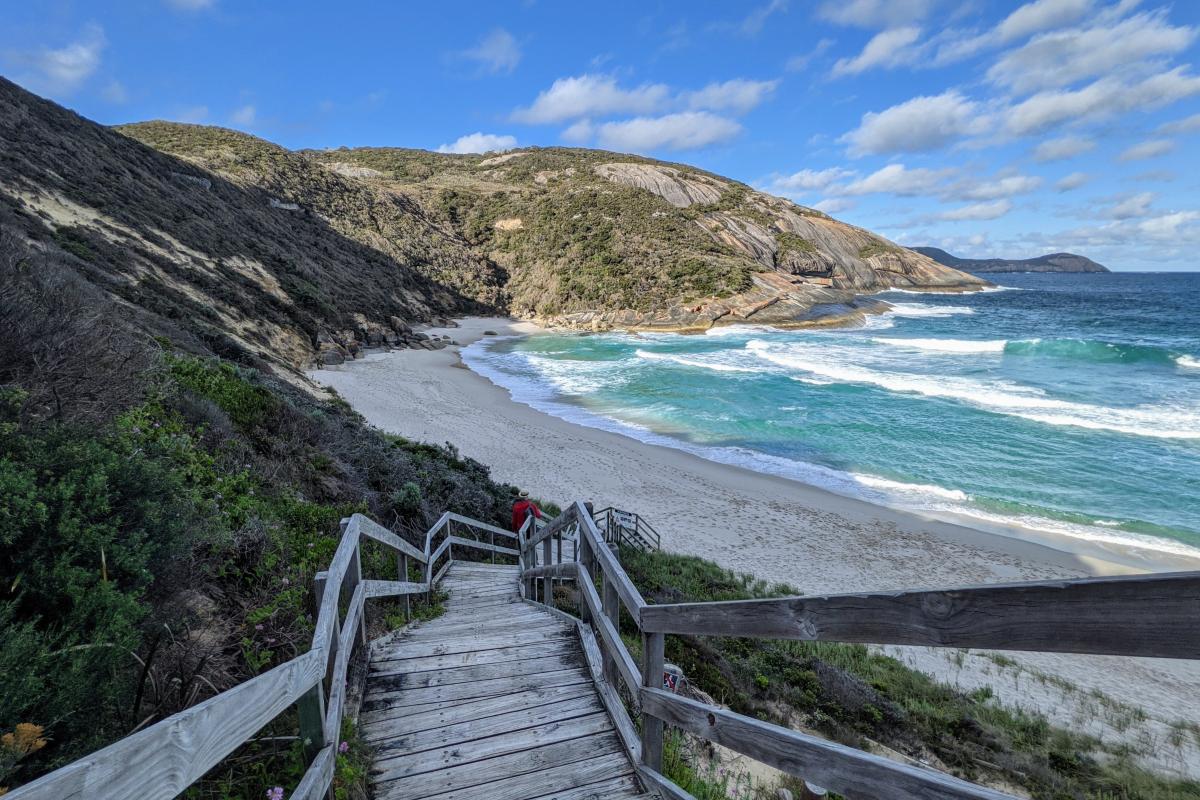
(523, 493)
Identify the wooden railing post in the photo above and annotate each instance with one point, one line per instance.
(402, 563)
(612, 610)
(585, 574)
(311, 706)
(353, 578)
(547, 559)
(653, 645)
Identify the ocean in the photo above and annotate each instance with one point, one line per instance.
(1064, 403)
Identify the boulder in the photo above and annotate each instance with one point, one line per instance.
(399, 325)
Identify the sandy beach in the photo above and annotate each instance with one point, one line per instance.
(781, 530)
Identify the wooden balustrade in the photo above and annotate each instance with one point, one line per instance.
(1141, 615)
(166, 758)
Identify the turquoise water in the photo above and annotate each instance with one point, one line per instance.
(1069, 403)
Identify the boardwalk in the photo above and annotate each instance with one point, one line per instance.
(492, 700)
(502, 698)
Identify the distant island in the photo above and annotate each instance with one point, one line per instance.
(1054, 262)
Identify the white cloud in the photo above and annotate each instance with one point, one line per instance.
(978, 211)
(688, 130)
(808, 179)
(62, 70)
(1064, 57)
(1166, 226)
(498, 52)
(834, 205)
(1040, 15)
(875, 13)
(579, 133)
(738, 95)
(592, 95)
(1152, 148)
(244, 116)
(1062, 148)
(1099, 100)
(191, 5)
(917, 125)
(1007, 186)
(1186, 125)
(114, 92)
(887, 49)
(479, 142)
(1137, 205)
(899, 180)
(1171, 228)
(753, 24)
(1072, 181)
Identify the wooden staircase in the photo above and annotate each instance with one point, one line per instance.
(505, 697)
(493, 700)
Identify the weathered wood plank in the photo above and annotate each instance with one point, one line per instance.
(445, 768)
(315, 783)
(610, 638)
(608, 696)
(346, 639)
(377, 697)
(631, 598)
(165, 759)
(466, 627)
(373, 530)
(406, 720)
(652, 677)
(334, 577)
(403, 679)
(562, 783)
(1143, 615)
(468, 644)
(466, 732)
(495, 548)
(842, 769)
(376, 588)
(661, 785)
(567, 569)
(483, 526)
(496, 656)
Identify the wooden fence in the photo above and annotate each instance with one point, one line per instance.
(1143, 615)
(164, 759)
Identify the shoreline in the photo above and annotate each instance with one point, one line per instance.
(774, 527)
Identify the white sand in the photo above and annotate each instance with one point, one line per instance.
(783, 531)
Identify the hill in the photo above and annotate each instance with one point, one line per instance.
(598, 239)
(1054, 262)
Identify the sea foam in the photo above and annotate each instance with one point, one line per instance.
(948, 345)
(995, 396)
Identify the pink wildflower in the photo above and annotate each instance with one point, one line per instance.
(343, 747)
(275, 793)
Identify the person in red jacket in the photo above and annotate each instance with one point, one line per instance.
(522, 509)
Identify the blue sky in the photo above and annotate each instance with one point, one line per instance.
(988, 128)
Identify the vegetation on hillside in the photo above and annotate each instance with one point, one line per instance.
(164, 513)
(854, 695)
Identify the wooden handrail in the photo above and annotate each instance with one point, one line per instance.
(166, 758)
(843, 769)
(1091, 615)
(1103, 616)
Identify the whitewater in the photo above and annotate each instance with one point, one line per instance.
(1071, 405)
